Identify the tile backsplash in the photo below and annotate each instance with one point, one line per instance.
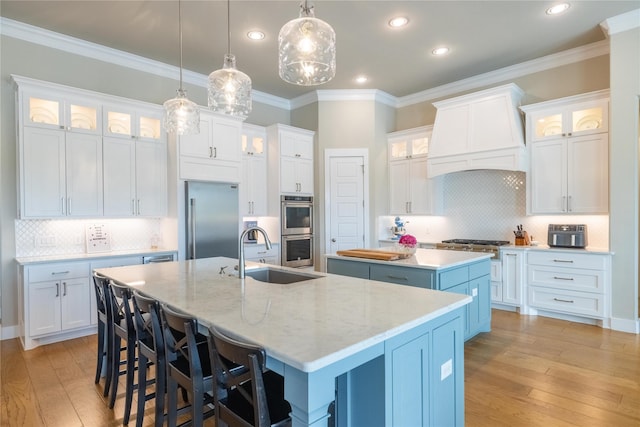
(488, 204)
(67, 236)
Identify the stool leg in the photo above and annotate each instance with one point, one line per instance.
(172, 409)
(100, 351)
(115, 374)
(131, 368)
(142, 381)
(161, 388)
(107, 383)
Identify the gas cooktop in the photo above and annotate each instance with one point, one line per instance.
(477, 242)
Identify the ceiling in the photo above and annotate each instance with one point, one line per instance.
(483, 35)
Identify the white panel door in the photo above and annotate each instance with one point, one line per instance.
(346, 203)
(588, 174)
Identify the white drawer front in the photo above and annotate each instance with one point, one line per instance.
(579, 303)
(43, 273)
(572, 260)
(566, 278)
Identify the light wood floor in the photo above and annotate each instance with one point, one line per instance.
(529, 371)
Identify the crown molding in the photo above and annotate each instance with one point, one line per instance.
(508, 73)
(43, 37)
(76, 46)
(619, 23)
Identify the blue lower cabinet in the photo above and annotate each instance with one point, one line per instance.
(471, 279)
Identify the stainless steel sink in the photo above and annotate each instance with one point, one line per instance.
(283, 277)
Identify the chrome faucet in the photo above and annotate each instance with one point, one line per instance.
(267, 243)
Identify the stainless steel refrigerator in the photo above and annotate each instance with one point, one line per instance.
(212, 219)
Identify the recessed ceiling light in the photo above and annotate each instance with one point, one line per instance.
(255, 35)
(439, 51)
(558, 8)
(361, 79)
(400, 21)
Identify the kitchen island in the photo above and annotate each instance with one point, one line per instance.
(451, 271)
(387, 355)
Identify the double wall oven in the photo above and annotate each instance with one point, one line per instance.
(296, 231)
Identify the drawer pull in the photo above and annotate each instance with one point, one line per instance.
(60, 272)
(562, 278)
(563, 260)
(397, 277)
(563, 300)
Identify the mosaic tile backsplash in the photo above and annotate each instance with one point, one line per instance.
(67, 236)
(488, 204)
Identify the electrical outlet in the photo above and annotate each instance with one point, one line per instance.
(427, 231)
(446, 369)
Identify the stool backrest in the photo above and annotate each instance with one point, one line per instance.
(180, 339)
(100, 284)
(119, 297)
(146, 317)
(235, 363)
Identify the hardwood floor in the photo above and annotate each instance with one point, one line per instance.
(529, 371)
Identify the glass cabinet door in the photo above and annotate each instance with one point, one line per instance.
(118, 123)
(149, 127)
(588, 119)
(83, 117)
(253, 144)
(420, 146)
(398, 150)
(44, 112)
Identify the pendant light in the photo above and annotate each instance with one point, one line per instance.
(307, 50)
(181, 116)
(230, 88)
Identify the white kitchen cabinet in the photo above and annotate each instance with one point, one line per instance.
(260, 253)
(512, 267)
(570, 175)
(60, 154)
(410, 189)
(55, 299)
(253, 187)
(135, 175)
(60, 173)
(574, 283)
(569, 155)
(566, 117)
(215, 153)
(290, 165)
(133, 122)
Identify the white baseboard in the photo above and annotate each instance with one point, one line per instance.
(9, 332)
(626, 325)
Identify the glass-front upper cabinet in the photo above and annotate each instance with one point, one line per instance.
(568, 120)
(254, 140)
(76, 115)
(129, 123)
(409, 143)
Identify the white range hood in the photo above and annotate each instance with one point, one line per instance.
(481, 130)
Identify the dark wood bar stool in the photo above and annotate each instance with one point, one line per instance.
(104, 353)
(121, 319)
(247, 393)
(188, 366)
(150, 341)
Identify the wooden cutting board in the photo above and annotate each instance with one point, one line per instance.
(371, 254)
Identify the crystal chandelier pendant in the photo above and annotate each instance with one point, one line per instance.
(230, 90)
(181, 115)
(307, 50)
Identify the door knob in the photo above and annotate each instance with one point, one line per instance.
(333, 240)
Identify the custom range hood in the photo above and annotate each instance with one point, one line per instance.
(481, 130)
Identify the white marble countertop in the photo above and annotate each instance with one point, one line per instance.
(89, 257)
(432, 259)
(307, 325)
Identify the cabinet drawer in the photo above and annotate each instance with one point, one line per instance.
(567, 278)
(453, 277)
(43, 273)
(580, 303)
(564, 259)
(401, 275)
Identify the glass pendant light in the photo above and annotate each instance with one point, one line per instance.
(181, 116)
(230, 88)
(307, 50)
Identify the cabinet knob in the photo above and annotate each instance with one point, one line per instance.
(333, 240)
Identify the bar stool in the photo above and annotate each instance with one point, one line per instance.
(247, 393)
(188, 366)
(104, 353)
(150, 341)
(121, 320)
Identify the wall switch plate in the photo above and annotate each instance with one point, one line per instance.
(45, 241)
